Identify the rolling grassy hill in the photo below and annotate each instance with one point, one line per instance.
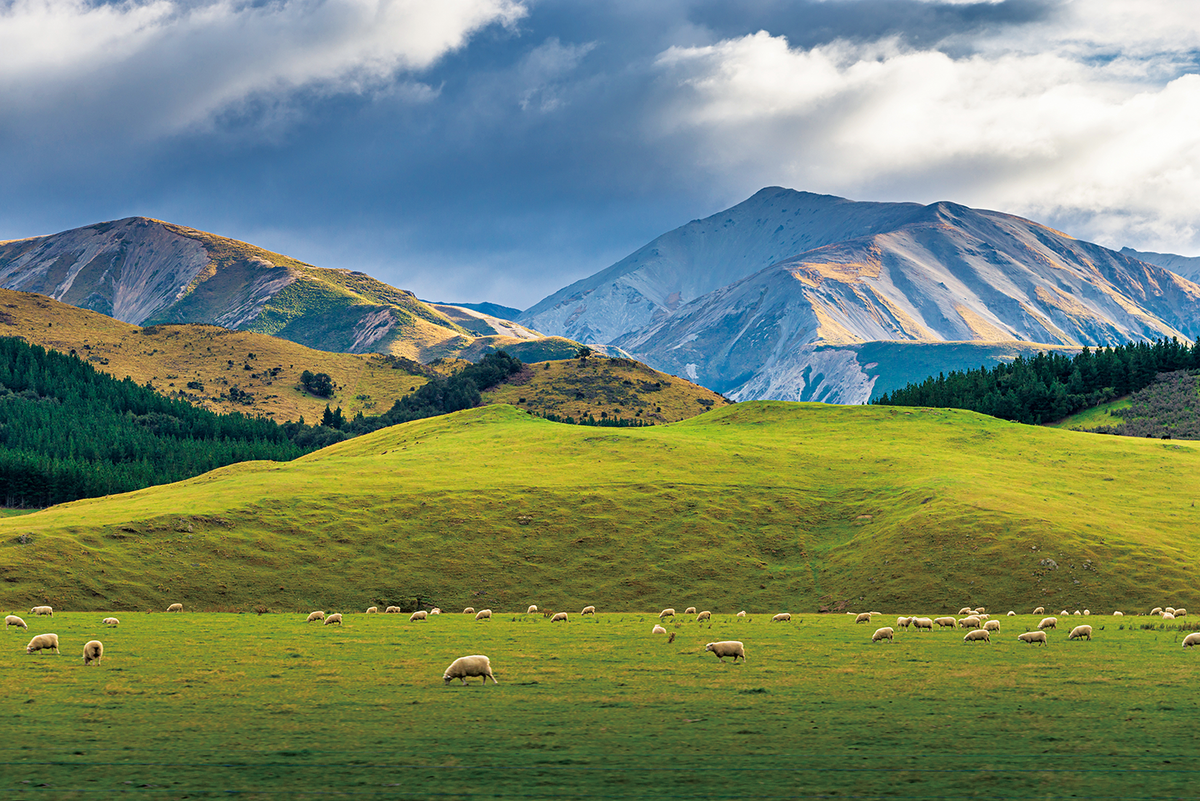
(758, 505)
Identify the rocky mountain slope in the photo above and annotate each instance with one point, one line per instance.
(774, 297)
(1187, 266)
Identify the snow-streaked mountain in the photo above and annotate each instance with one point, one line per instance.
(1187, 266)
(765, 300)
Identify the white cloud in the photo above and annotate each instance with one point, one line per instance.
(1071, 124)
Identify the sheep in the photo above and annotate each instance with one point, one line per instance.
(862, 617)
(705, 615)
(742, 613)
(1118, 613)
(979, 610)
(1191, 639)
(437, 610)
(1156, 610)
(991, 625)
(483, 614)
(1180, 613)
(470, 610)
(977, 635)
(175, 608)
(1168, 616)
(372, 610)
(982, 616)
(41, 642)
(1032, 637)
(1170, 609)
(111, 621)
(668, 612)
(588, 610)
(945, 622)
(13, 620)
(532, 608)
(903, 622)
(919, 623)
(1048, 623)
(1011, 613)
(1080, 632)
(1075, 613)
(92, 652)
(1064, 613)
(465, 666)
(970, 622)
(1087, 612)
(782, 617)
(966, 610)
(726, 648)
(1041, 610)
(420, 614)
(42, 610)
(336, 617)
(392, 610)
(885, 633)
(318, 615)
(691, 610)
(560, 616)
(658, 629)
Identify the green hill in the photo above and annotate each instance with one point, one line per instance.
(756, 505)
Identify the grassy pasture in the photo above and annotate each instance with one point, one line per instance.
(199, 705)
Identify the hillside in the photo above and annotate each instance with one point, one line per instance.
(145, 271)
(758, 505)
(772, 298)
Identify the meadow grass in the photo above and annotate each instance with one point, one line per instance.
(198, 705)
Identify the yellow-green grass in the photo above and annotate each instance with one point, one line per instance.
(1090, 419)
(200, 705)
(761, 505)
(596, 386)
(169, 356)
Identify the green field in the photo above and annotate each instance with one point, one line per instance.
(203, 705)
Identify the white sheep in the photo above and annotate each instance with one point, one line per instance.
(559, 616)
(1118, 614)
(1156, 610)
(336, 617)
(691, 610)
(175, 608)
(979, 610)
(420, 614)
(1011, 613)
(1041, 610)
(437, 610)
(1080, 633)
(1075, 613)
(726, 648)
(1191, 639)
(1170, 609)
(466, 666)
(42, 610)
(470, 610)
(372, 610)
(318, 615)
(922, 623)
(966, 610)
(483, 614)
(970, 622)
(1087, 612)
(903, 622)
(977, 635)
(885, 633)
(862, 617)
(1168, 616)
(1032, 637)
(13, 620)
(1048, 623)
(782, 617)
(1064, 613)
(588, 610)
(1180, 613)
(42, 641)
(991, 625)
(945, 622)
(668, 612)
(92, 652)
(392, 610)
(111, 621)
(532, 608)
(705, 615)
(658, 629)
(741, 613)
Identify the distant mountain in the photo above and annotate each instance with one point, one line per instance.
(145, 271)
(776, 297)
(490, 309)
(1187, 266)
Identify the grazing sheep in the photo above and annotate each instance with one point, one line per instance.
(1076, 613)
(392, 610)
(336, 617)
(1041, 610)
(969, 622)
(945, 622)
(1170, 609)
(658, 629)
(862, 617)
(1048, 623)
(979, 610)
(726, 648)
(420, 614)
(922, 623)
(691, 610)
(982, 616)
(1080, 632)
(1118, 614)
(1180, 613)
(318, 615)
(532, 608)
(742, 613)
(560, 616)
(111, 621)
(1168, 616)
(705, 615)
(372, 610)
(175, 608)
(782, 617)
(588, 610)
(668, 612)
(92, 652)
(885, 633)
(1156, 610)
(42, 610)
(465, 666)
(13, 620)
(1087, 612)
(1191, 639)
(42, 641)
(903, 622)
(991, 625)
(966, 610)
(483, 614)
(1032, 637)
(437, 610)
(1011, 613)
(470, 610)
(977, 635)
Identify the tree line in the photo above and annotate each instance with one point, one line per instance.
(1050, 386)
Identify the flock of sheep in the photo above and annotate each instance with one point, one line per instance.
(93, 650)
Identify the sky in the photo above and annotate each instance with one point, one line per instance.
(497, 150)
